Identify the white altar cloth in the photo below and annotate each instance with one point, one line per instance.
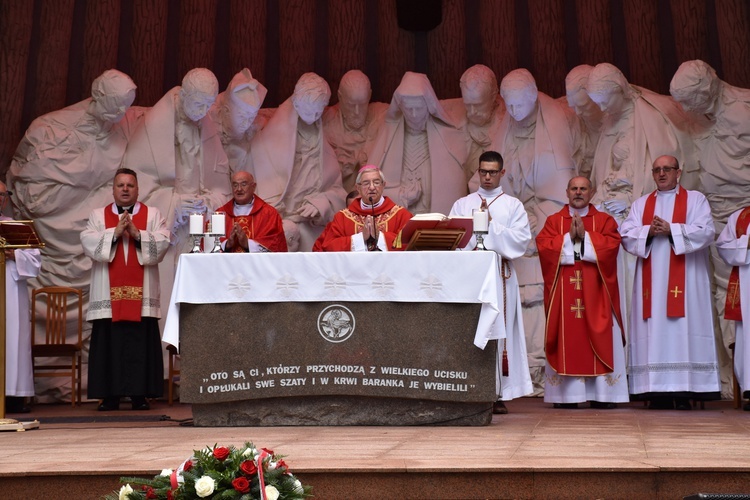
(454, 277)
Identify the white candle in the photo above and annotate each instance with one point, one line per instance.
(196, 223)
(481, 221)
(217, 224)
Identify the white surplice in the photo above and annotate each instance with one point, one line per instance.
(19, 376)
(734, 251)
(672, 354)
(509, 236)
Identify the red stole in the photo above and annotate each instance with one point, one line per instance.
(732, 308)
(126, 279)
(676, 283)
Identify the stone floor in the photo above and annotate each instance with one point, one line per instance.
(533, 452)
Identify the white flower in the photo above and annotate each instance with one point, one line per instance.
(250, 452)
(126, 490)
(166, 472)
(205, 486)
(271, 493)
(272, 465)
(298, 489)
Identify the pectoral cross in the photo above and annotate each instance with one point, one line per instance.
(675, 291)
(577, 279)
(733, 293)
(578, 308)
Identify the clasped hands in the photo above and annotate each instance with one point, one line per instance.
(125, 225)
(577, 231)
(370, 229)
(236, 237)
(659, 227)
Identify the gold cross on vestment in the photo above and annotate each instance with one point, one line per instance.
(733, 293)
(675, 291)
(577, 280)
(578, 308)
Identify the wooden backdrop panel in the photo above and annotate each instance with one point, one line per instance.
(734, 40)
(247, 37)
(548, 45)
(346, 40)
(197, 35)
(148, 50)
(499, 36)
(16, 19)
(447, 50)
(643, 44)
(100, 42)
(594, 31)
(296, 43)
(690, 29)
(51, 71)
(396, 52)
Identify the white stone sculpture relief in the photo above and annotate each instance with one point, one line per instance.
(295, 167)
(420, 149)
(351, 125)
(589, 115)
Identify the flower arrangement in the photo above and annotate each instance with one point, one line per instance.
(244, 473)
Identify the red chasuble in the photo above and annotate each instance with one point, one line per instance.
(580, 299)
(732, 308)
(389, 217)
(126, 278)
(262, 225)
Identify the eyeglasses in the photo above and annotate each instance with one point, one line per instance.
(666, 170)
(491, 173)
(375, 183)
(6, 194)
(243, 184)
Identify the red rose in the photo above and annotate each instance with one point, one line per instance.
(241, 484)
(188, 465)
(151, 494)
(221, 453)
(249, 467)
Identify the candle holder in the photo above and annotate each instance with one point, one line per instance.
(217, 243)
(481, 226)
(196, 231)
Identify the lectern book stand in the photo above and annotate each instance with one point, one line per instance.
(436, 232)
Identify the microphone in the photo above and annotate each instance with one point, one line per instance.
(372, 242)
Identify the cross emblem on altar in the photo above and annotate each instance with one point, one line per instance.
(733, 293)
(577, 279)
(578, 308)
(675, 291)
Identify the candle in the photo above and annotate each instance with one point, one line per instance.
(481, 221)
(196, 223)
(217, 224)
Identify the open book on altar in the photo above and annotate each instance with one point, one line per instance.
(436, 232)
(19, 234)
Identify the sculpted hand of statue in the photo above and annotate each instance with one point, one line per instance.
(410, 193)
(308, 211)
(188, 204)
(616, 206)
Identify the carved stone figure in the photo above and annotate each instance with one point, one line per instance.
(62, 167)
(721, 114)
(351, 126)
(479, 112)
(589, 115)
(537, 138)
(295, 167)
(420, 149)
(238, 112)
(642, 123)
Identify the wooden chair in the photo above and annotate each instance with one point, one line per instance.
(56, 343)
(174, 372)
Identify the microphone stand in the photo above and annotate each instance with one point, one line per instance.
(372, 243)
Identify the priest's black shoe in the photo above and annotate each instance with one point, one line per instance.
(109, 404)
(16, 405)
(499, 408)
(661, 404)
(139, 403)
(565, 406)
(746, 406)
(682, 404)
(602, 406)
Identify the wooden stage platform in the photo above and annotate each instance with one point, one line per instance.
(533, 452)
